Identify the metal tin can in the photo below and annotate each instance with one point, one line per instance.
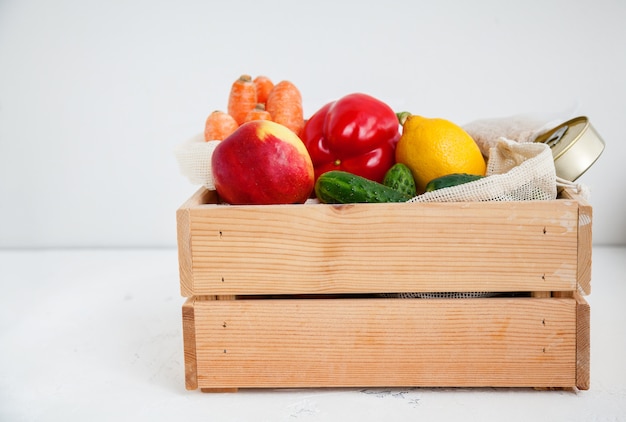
(575, 147)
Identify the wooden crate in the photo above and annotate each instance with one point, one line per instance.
(304, 295)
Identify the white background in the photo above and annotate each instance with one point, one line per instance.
(95, 95)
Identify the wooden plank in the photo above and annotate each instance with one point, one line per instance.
(184, 252)
(219, 390)
(583, 343)
(183, 230)
(585, 218)
(189, 343)
(499, 342)
(360, 248)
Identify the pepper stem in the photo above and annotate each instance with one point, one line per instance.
(402, 116)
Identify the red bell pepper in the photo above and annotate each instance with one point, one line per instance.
(357, 133)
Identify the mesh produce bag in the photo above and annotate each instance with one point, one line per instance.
(521, 128)
(194, 160)
(515, 172)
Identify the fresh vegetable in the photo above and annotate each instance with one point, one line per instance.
(242, 98)
(263, 86)
(218, 126)
(341, 187)
(258, 113)
(450, 180)
(357, 133)
(284, 103)
(400, 178)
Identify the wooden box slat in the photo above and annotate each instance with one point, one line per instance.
(367, 248)
(497, 342)
(585, 217)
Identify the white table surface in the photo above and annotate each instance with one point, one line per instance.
(95, 335)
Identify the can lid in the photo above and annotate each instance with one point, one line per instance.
(575, 147)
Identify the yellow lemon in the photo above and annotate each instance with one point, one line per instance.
(437, 147)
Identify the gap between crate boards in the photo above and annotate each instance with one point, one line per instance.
(422, 295)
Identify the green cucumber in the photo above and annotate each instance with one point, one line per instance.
(400, 178)
(341, 187)
(450, 180)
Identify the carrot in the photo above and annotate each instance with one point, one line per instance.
(285, 105)
(219, 125)
(263, 87)
(258, 113)
(242, 98)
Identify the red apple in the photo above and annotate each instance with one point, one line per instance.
(262, 162)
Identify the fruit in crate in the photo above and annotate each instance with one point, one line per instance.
(433, 148)
(262, 162)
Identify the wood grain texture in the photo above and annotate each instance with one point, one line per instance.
(183, 229)
(230, 254)
(585, 219)
(184, 252)
(583, 343)
(189, 343)
(504, 342)
(362, 248)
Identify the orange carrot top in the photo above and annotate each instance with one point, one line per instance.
(218, 126)
(263, 87)
(258, 113)
(285, 105)
(242, 98)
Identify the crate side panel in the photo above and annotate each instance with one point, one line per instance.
(200, 198)
(189, 345)
(585, 219)
(185, 269)
(386, 342)
(583, 343)
(384, 248)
